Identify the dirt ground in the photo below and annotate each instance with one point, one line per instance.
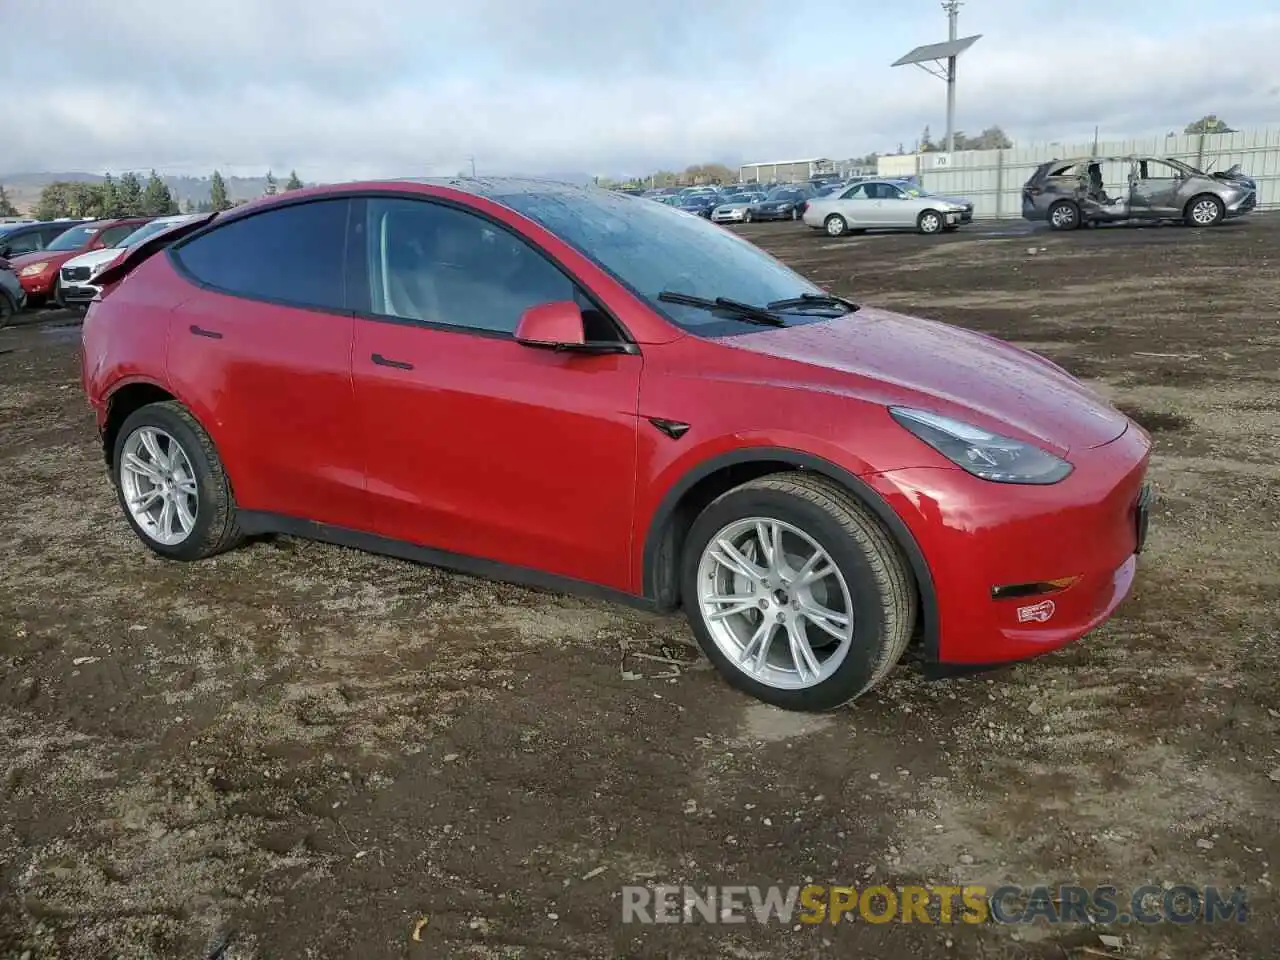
(299, 751)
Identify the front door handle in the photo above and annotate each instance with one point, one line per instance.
(202, 332)
(382, 361)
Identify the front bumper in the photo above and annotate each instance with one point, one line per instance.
(78, 295)
(1246, 204)
(728, 216)
(978, 536)
(39, 285)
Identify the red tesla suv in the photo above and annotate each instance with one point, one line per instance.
(574, 388)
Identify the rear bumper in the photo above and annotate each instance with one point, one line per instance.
(978, 536)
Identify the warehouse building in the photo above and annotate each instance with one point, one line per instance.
(783, 171)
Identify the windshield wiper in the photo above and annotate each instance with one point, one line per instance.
(742, 311)
(814, 300)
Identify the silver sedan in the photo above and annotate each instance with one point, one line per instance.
(885, 205)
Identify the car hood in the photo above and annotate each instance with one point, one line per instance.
(94, 257)
(952, 371)
(57, 257)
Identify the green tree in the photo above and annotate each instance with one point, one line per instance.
(156, 199)
(1208, 124)
(130, 194)
(218, 192)
(270, 189)
(293, 183)
(7, 209)
(84, 200)
(54, 202)
(108, 197)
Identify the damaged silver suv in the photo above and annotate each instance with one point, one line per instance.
(1072, 193)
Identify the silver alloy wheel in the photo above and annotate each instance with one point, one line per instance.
(930, 223)
(159, 485)
(758, 576)
(1063, 216)
(1205, 212)
(835, 226)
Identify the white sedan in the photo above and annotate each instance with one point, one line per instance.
(885, 205)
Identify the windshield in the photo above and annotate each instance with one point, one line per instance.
(150, 230)
(783, 193)
(73, 239)
(651, 251)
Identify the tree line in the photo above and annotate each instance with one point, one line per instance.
(131, 197)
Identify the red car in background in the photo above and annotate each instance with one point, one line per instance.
(38, 271)
(574, 388)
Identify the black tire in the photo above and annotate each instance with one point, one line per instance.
(795, 213)
(881, 588)
(55, 295)
(1199, 203)
(746, 216)
(836, 225)
(8, 309)
(930, 222)
(1064, 215)
(215, 529)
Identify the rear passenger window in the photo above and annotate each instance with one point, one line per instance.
(292, 255)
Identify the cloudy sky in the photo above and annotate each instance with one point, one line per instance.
(342, 88)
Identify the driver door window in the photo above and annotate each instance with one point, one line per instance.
(442, 266)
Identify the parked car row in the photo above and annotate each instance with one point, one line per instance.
(55, 262)
(828, 203)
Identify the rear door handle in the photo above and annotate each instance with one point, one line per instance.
(382, 361)
(202, 332)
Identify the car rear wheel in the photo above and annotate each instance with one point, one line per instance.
(1064, 215)
(930, 221)
(171, 484)
(836, 225)
(796, 592)
(1205, 210)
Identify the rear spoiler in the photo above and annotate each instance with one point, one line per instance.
(136, 255)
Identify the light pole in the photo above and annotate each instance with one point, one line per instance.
(939, 60)
(472, 161)
(952, 7)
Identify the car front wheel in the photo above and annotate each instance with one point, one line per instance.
(930, 222)
(171, 484)
(796, 592)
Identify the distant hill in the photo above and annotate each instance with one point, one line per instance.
(24, 188)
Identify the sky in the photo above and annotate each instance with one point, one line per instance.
(342, 89)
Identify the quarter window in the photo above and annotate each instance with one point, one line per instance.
(292, 254)
(26, 243)
(440, 265)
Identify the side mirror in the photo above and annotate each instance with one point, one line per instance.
(555, 325)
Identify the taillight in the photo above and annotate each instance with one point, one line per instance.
(1031, 191)
(804, 207)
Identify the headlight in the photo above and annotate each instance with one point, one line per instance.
(982, 453)
(34, 269)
